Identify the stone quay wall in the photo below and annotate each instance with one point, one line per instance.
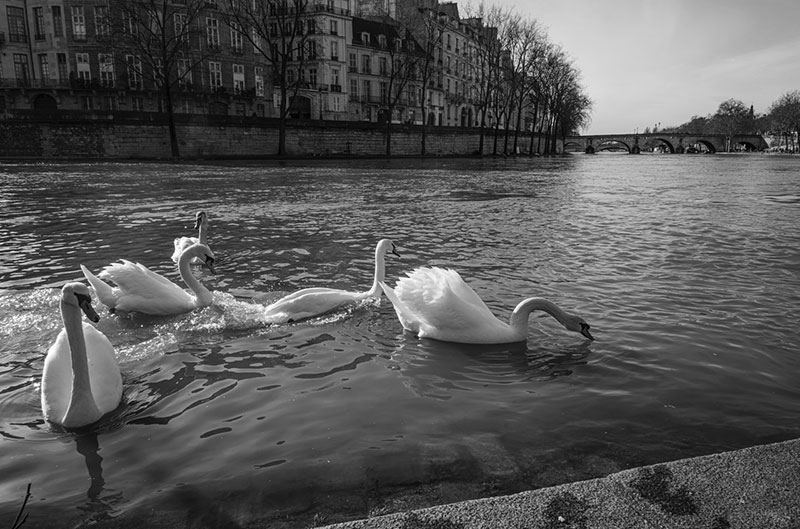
(120, 137)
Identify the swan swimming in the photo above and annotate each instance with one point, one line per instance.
(182, 243)
(313, 301)
(81, 381)
(433, 302)
(139, 289)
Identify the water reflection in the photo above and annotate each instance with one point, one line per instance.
(435, 369)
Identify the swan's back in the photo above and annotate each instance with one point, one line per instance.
(104, 374)
(139, 285)
(437, 303)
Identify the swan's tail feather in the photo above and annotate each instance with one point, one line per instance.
(103, 290)
(403, 314)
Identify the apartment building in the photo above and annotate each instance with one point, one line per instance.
(65, 55)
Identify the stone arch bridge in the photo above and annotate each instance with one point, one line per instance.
(672, 143)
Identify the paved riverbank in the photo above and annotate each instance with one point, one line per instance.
(757, 487)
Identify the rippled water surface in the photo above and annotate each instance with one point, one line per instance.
(685, 266)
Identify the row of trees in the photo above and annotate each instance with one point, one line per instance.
(733, 117)
(521, 79)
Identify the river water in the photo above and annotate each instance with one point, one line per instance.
(686, 267)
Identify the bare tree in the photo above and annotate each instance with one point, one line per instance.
(424, 25)
(160, 41)
(784, 117)
(280, 30)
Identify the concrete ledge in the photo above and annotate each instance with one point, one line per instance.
(757, 487)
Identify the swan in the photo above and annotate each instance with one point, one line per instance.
(139, 289)
(313, 301)
(433, 302)
(81, 381)
(182, 243)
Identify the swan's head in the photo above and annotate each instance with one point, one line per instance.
(577, 324)
(199, 219)
(203, 253)
(387, 246)
(78, 295)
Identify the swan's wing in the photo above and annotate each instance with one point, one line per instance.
(443, 302)
(135, 277)
(308, 302)
(143, 290)
(104, 371)
(180, 244)
(407, 318)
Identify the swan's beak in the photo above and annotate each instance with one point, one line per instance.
(197, 223)
(85, 303)
(209, 263)
(585, 331)
(394, 250)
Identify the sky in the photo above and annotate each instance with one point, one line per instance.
(644, 62)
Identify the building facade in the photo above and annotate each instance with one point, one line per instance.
(64, 55)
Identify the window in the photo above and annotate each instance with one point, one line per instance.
(334, 27)
(212, 33)
(259, 78)
(137, 104)
(382, 41)
(16, 25)
(312, 77)
(384, 92)
(366, 90)
(353, 88)
(184, 73)
(353, 67)
(130, 25)
(134, 73)
(334, 51)
(21, 71)
(107, 75)
(38, 23)
(312, 26)
(382, 65)
(158, 72)
(101, 22)
(84, 72)
(238, 79)
(63, 71)
(179, 23)
(312, 49)
(365, 66)
(215, 74)
(237, 40)
(87, 103)
(44, 67)
(78, 23)
(255, 38)
(335, 80)
(58, 22)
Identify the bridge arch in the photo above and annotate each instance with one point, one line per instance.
(660, 145)
(612, 144)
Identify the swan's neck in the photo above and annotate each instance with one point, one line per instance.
(82, 408)
(201, 232)
(380, 273)
(519, 318)
(202, 294)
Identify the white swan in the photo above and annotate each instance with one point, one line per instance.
(182, 243)
(139, 289)
(437, 303)
(310, 302)
(81, 380)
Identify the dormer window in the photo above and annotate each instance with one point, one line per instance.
(365, 37)
(382, 41)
